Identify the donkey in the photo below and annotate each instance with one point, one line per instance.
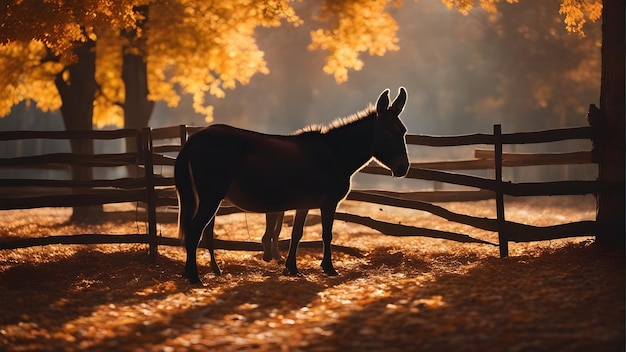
(264, 173)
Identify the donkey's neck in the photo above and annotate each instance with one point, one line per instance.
(352, 143)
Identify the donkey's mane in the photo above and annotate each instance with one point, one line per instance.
(337, 123)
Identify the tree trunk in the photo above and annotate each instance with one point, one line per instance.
(137, 107)
(77, 94)
(611, 203)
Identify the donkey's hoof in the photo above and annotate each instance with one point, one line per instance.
(216, 269)
(331, 271)
(193, 279)
(290, 272)
(267, 257)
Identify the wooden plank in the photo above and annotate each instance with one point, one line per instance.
(449, 141)
(391, 229)
(473, 164)
(453, 178)
(552, 135)
(435, 175)
(163, 181)
(83, 134)
(481, 223)
(166, 201)
(163, 160)
(74, 239)
(124, 183)
(40, 167)
(169, 132)
(170, 148)
(96, 160)
(528, 159)
(436, 196)
(73, 200)
(574, 229)
(508, 188)
(166, 241)
(545, 136)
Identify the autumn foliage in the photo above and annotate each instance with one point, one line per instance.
(191, 47)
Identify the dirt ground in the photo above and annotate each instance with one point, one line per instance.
(401, 294)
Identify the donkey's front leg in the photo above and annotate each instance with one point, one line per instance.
(291, 268)
(191, 267)
(328, 217)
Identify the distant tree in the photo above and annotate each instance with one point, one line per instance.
(48, 57)
(538, 71)
(611, 202)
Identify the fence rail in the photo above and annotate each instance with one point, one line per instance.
(154, 145)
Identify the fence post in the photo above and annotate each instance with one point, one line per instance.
(501, 222)
(183, 135)
(146, 136)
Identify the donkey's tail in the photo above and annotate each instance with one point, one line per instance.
(186, 191)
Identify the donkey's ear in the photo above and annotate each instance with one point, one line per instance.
(383, 102)
(398, 104)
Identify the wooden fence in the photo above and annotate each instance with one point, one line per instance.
(76, 193)
(497, 188)
(157, 149)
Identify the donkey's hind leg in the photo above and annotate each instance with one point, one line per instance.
(209, 241)
(275, 250)
(193, 233)
(273, 225)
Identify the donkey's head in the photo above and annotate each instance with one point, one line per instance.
(389, 146)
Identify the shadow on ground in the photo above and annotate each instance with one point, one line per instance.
(567, 299)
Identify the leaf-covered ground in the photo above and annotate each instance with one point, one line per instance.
(403, 294)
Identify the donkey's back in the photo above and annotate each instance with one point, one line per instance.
(258, 172)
